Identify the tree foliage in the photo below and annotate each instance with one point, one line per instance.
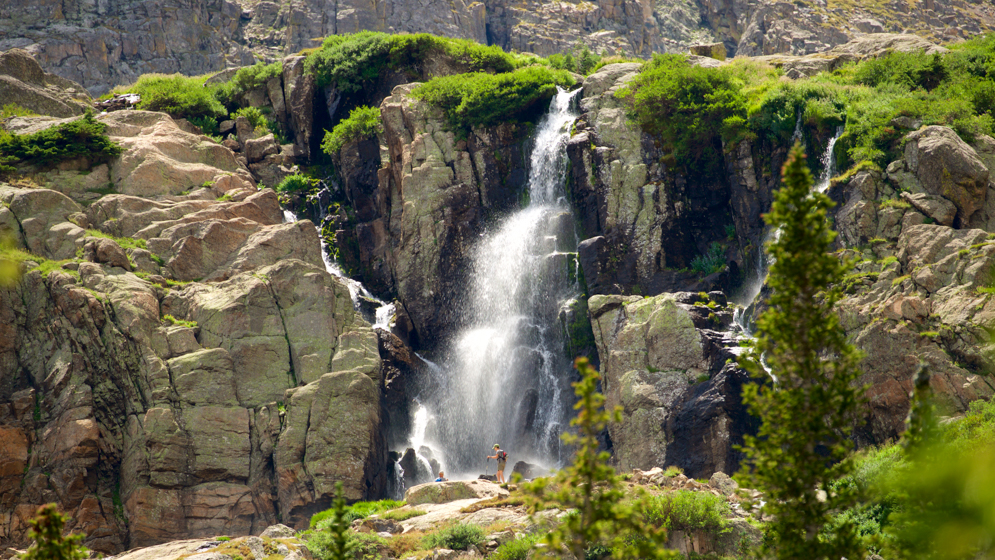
(603, 517)
(50, 544)
(331, 541)
(802, 447)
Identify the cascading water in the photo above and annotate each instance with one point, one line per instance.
(750, 295)
(505, 376)
(357, 291)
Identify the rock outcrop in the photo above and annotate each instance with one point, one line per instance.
(419, 209)
(665, 363)
(919, 292)
(643, 223)
(200, 374)
(23, 81)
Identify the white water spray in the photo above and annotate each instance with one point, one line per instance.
(505, 375)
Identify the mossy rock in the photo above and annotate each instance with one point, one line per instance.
(444, 492)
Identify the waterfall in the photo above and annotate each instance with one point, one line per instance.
(750, 294)
(504, 377)
(357, 291)
(828, 162)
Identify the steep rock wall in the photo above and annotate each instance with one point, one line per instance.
(216, 382)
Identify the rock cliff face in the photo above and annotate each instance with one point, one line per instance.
(641, 223)
(664, 361)
(103, 45)
(210, 378)
(417, 216)
(921, 289)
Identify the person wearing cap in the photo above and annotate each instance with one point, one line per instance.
(502, 459)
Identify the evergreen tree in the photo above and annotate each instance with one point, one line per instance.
(602, 516)
(46, 530)
(802, 447)
(334, 543)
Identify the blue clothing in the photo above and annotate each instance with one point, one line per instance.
(440, 479)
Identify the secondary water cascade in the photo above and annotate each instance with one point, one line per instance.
(750, 295)
(505, 378)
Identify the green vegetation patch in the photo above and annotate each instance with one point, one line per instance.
(124, 242)
(459, 536)
(692, 111)
(178, 95)
(517, 549)
(296, 183)
(711, 262)
(402, 515)
(480, 99)
(684, 510)
(358, 510)
(362, 122)
(250, 77)
(85, 137)
(351, 61)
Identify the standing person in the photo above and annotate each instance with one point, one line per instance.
(442, 477)
(502, 458)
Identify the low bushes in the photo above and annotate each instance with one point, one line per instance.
(460, 536)
(85, 137)
(178, 95)
(693, 112)
(295, 183)
(362, 121)
(684, 510)
(350, 61)
(359, 510)
(481, 99)
(517, 549)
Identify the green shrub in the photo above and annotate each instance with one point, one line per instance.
(170, 320)
(351, 61)
(517, 549)
(208, 125)
(689, 109)
(296, 183)
(83, 137)
(248, 78)
(580, 59)
(124, 242)
(14, 110)
(49, 543)
(480, 99)
(711, 262)
(255, 116)
(362, 122)
(178, 95)
(460, 536)
(684, 510)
